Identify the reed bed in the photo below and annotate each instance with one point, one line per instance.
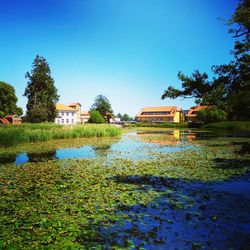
(11, 135)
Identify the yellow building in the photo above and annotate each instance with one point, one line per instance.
(161, 114)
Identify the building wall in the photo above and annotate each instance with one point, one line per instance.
(78, 113)
(65, 117)
(177, 117)
(155, 119)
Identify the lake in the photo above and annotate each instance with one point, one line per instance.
(150, 189)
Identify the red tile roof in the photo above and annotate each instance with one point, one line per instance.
(4, 120)
(170, 109)
(195, 109)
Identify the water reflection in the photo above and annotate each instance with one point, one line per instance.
(133, 145)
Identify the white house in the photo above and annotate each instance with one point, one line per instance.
(65, 115)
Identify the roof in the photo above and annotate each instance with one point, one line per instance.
(85, 113)
(64, 108)
(12, 116)
(196, 109)
(74, 104)
(171, 109)
(4, 121)
(160, 108)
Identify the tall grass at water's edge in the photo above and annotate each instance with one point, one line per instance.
(11, 135)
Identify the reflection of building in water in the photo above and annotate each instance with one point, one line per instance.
(191, 137)
(169, 138)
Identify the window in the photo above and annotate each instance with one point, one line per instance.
(67, 113)
(62, 113)
(58, 120)
(62, 120)
(72, 120)
(67, 120)
(72, 113)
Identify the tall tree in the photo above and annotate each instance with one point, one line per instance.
(8, 100)
(102, 104)
(229, 89)
(41, 92)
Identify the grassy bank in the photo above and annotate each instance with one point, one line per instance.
(234, 125)
(12, 135)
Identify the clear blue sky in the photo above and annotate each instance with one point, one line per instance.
(127, 50)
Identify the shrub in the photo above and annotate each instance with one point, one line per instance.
(96, 117)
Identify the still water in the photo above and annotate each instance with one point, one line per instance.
(133, 145)
(217, 218)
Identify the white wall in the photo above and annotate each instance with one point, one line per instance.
(66, 117)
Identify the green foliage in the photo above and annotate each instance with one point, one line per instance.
(96, 117)
(16, 134)
(212, 114)
(8, 100)
(229, 89)
(102, 105)
(41, 92)
(230, 125)
(124, 117)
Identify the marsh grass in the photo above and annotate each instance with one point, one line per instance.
(12, 135)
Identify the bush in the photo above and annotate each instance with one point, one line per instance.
(96, 117)
(212, 114)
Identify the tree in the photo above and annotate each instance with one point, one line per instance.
(102, 105)
(126, 118)
(229, 89)
(41, 92)
(119, 115)
(96, 117)
(8, 100)
(211, 114)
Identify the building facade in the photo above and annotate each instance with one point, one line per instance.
(162, 114)
(85, 115)
(65, 115)
(193, 112)
(77, 107)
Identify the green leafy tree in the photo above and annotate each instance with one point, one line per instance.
(229, 89)
(96, 117)
(119, 115)
(126, 118)
(212, 114)
(103, 106)
(41, 92)
(8, 100)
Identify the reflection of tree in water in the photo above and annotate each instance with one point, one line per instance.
(102, 151)
(44, 156)
(11, 158)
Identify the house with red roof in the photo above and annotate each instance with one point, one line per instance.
(193, 112)
(172, 114)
